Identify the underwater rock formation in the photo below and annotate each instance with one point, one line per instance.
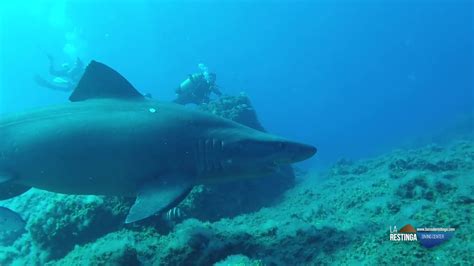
(236, 108)
(58, 222)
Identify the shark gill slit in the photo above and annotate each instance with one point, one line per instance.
(211, 155)
(202, 156)
(207, 156)
(197, 156)
(216, 155)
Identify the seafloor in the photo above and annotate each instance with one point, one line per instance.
(339, 217)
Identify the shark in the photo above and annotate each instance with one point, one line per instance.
(111, 140)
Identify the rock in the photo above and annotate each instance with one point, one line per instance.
(238, 259)
(236, 108)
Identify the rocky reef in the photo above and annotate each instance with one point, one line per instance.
(236, 108)
(340, 216)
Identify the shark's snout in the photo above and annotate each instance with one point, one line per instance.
(296, 152)
(304, 152)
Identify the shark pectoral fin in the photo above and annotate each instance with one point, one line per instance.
(101, 81)
(9, 189)
(156, 196)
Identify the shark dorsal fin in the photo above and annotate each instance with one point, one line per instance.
(101, 81)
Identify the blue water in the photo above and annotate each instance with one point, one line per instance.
(354, 78)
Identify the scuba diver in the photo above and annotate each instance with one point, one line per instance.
(64, 78)
(197, 88)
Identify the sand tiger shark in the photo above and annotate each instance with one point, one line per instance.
(111, 140)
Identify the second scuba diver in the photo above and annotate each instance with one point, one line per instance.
(197, 88)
